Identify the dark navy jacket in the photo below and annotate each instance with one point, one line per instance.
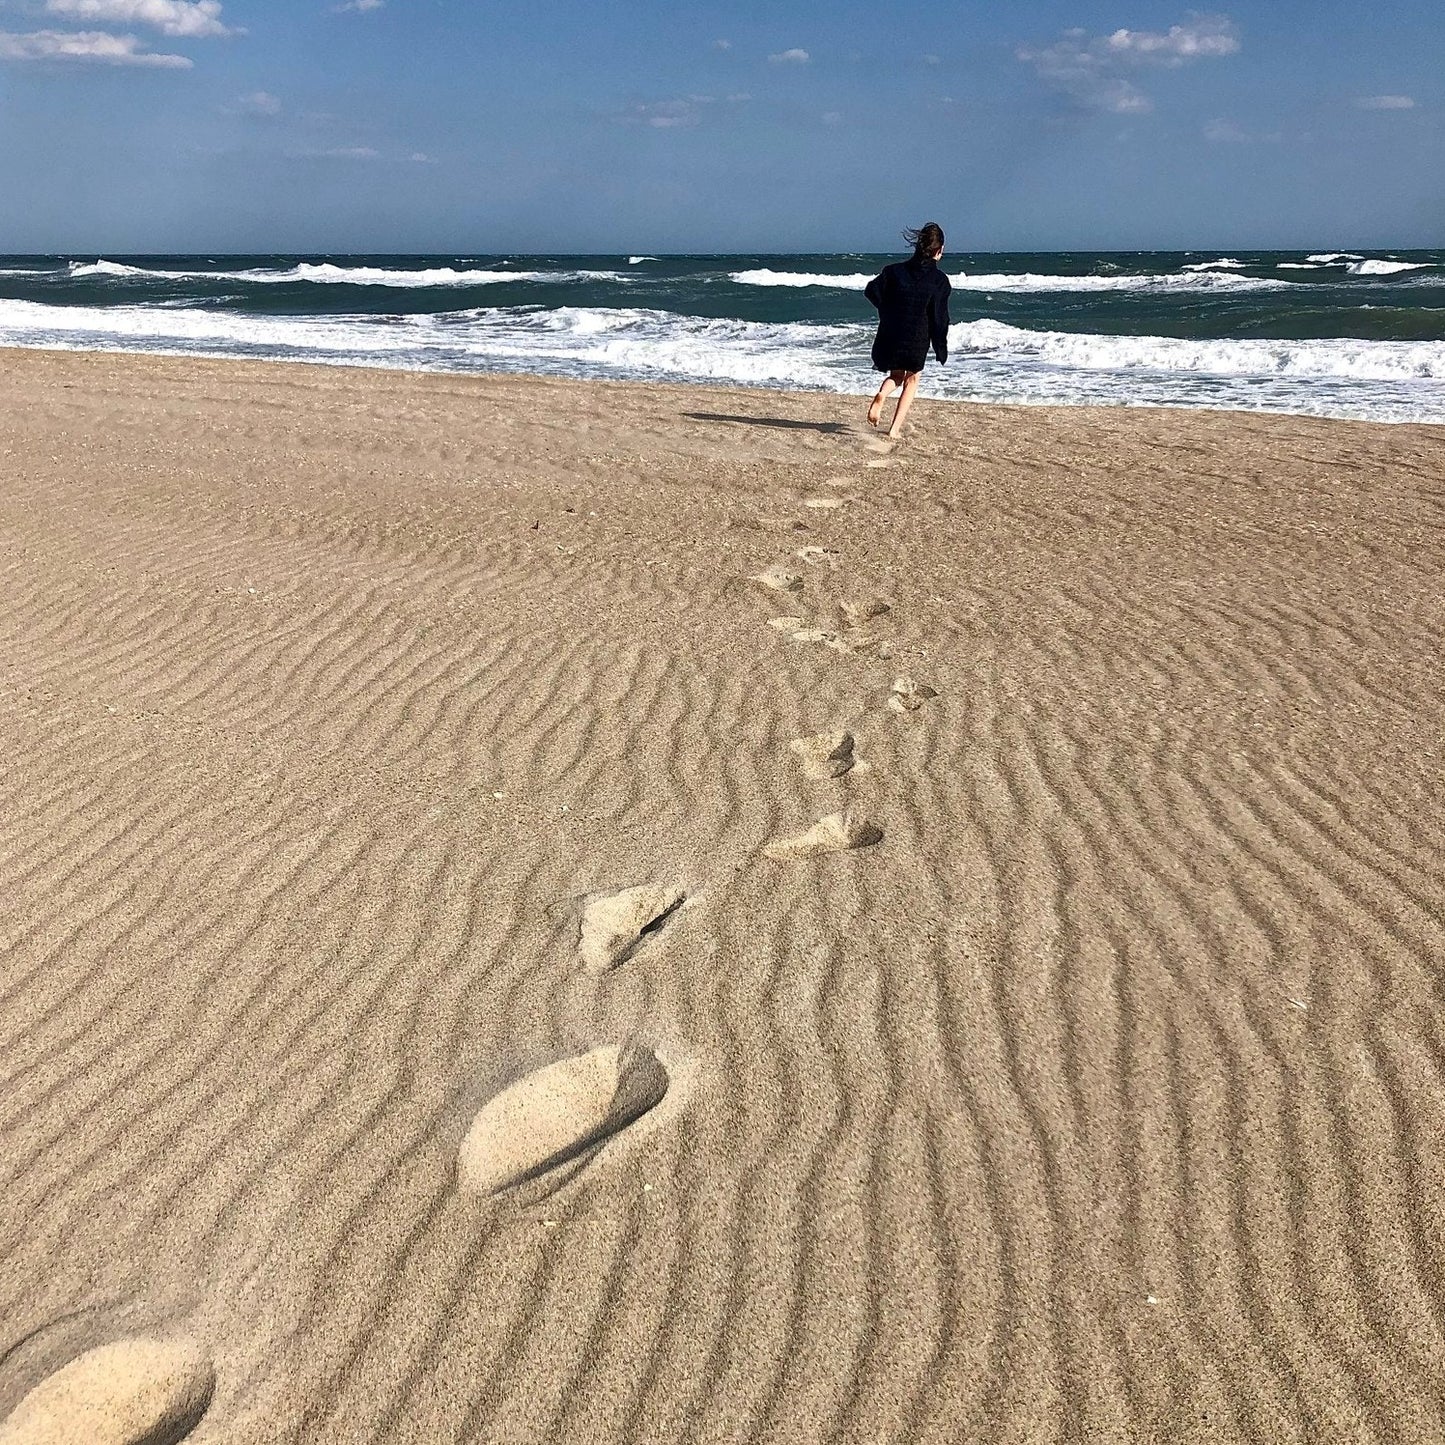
(912, 301)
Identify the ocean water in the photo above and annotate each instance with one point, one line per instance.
(1339, 334)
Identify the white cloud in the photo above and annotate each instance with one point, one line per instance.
(665, 114)
(682, 110)
(1207, 37)
(722, 45)
(1386, 102)
(361, 6)
(1092, 68)
(171, 17)
(790, 57)
(259, 102)
(421, 158)
(932, 60)
(1225, 132)
(94, 47)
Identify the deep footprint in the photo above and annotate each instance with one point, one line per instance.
(837, 833)
(131, 1392)
(778, 579)
(612, 927)
(908, 695)
(557, 1115)
(827, 755)
(857, 613)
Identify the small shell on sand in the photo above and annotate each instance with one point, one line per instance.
(779, 579)
(131, 1392)
(613, 926)
(837, 833)
(826, 755)
(558, 1114)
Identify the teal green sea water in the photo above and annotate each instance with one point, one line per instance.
(1346, 334)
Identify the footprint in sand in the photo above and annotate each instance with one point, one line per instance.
(819, 634)
(826, 755)
(908, 695)
(561, 1114)
(613, 927)
(132, 1392)
(814, 556)
(857, 613)
(823, 503)
(778, 579)
(788, 624)
(837, 833)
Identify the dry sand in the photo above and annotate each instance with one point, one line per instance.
(1103, 1099)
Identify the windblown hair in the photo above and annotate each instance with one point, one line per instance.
(926, 240)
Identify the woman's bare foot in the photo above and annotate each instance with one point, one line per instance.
(875, 411)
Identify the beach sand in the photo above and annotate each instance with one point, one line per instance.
(1050, 1048)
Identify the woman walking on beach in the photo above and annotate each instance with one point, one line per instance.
(912, 301)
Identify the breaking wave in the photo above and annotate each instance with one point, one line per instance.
(1381, 380)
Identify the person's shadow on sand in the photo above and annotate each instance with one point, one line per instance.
(834, 428)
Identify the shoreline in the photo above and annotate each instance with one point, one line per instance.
(709, 386)
(618, 911)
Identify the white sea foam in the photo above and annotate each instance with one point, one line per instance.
(1194, 281)
(1386, 268)
(1351, 359)
(1383, 380)
(1330, 257)
(765, 277)
(1225, 263)
(638, 260)
(326, 273)
(1026, 281)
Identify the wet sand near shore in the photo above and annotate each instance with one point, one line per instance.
(537, 910)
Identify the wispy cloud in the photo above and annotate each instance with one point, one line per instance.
(722, 45)
(336, 153)
(1386, 102)
(1094, 70)
(259, 103)
(95, 47)
(682, 110)
(362, 6)
(790, 57)
(663, 114)
(1206, 37)
(1226, 132)
(191, 18)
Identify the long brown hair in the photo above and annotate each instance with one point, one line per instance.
(927, 240)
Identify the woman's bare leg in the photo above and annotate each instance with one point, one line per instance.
(905, 400)
(885, 388)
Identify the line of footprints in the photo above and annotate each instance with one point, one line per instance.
(545, 1127)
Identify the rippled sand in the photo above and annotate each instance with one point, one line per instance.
(425, 1013)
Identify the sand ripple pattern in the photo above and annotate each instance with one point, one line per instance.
(1101, 1101)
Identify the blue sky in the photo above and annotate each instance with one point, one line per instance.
(638, 125)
